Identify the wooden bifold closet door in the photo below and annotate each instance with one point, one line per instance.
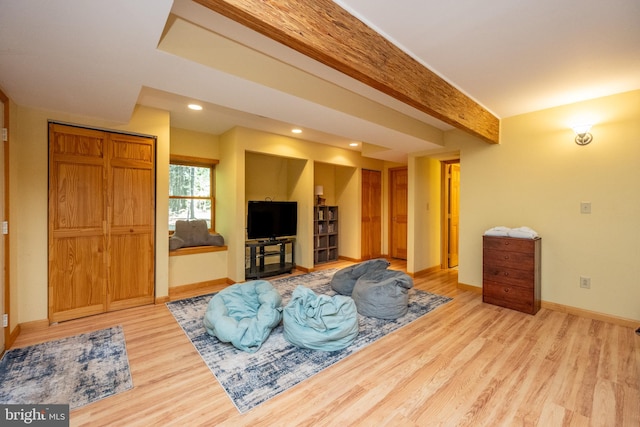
(371, 225)
(101, 221)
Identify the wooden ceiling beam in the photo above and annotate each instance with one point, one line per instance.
(324, 31)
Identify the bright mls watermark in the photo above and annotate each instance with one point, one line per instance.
(34, 415)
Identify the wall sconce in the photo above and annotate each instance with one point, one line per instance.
(319, 191)
(583, 137)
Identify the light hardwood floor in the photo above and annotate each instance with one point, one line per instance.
(465, 363)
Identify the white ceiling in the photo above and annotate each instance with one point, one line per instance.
(515, 57)
(98, 59)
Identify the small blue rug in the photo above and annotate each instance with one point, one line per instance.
(76, 371)
(252, 378)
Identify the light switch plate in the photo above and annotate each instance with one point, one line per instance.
(585, 207)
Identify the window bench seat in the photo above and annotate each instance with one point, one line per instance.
(197, 250)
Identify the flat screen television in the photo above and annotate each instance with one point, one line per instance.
(271, 220)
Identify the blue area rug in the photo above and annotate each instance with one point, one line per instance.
(252, 378)
(76, 371)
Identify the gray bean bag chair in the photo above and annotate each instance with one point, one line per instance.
(345, 279)
(320, 322)
(193, 233)
(244, 314)
(383, 294)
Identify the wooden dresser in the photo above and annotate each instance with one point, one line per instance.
(511, 273)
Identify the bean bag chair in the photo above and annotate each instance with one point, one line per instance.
(320, 322)
(345, 279)
(244, 314)
(383, 294)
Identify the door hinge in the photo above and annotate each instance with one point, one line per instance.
(5, 227)
(5, 135)
(5, 320)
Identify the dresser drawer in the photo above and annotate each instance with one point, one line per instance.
(516, 260)
(508, 276)
(510, 244)
(513, 297)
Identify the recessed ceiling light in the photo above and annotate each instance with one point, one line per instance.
(195, 107)
(296, 130)
(353, 144)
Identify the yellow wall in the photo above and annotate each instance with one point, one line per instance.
(272, 178)
(230, 197)
(28, 192)
(29, 181)
(203, 267)
(348, 194)
(197, 268)
(267, 177)
(324, 174)
(424, 226)
(342, 186)
(245, 158)
(537, 176)
(195, 144)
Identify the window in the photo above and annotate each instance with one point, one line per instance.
(191, 190)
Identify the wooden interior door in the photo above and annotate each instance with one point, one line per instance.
(371, 214)
(4, 335)
(131, 198)
(101, 221)
(398, 211)
(77, 222)
(453, 212)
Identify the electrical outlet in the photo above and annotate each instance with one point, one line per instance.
(585, 282)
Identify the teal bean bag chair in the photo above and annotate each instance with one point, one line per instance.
(244, 314)
(345, 279)
(320, 322)
(383, 294)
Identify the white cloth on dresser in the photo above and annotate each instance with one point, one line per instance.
(519, 232)
(523, 233)
(497, 231)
